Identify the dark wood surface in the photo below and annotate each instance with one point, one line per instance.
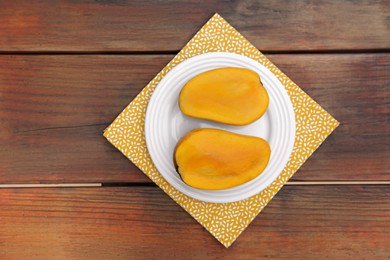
(118, 25)
(317, 222)
(54, 109)
(68, 68)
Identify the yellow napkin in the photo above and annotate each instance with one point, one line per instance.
(224, 221)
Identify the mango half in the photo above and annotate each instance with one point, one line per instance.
(213, 159)
(233, 96)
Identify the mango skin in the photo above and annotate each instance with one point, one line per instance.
(233, 96)
(212, 159)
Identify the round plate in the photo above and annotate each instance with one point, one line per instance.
(165, 125)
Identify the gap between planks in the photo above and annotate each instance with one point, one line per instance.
(174, 52)
(85, 185)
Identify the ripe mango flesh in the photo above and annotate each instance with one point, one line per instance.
(233, 96)
(213, 159)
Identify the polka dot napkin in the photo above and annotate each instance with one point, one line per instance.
(224, 221)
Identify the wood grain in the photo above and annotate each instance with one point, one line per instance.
(142, 222)
(117, 25)
(355, 90)
(53, 110)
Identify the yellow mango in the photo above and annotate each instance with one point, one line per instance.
(213, 159)
(233, 96)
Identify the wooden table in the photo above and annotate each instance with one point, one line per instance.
(68, 68)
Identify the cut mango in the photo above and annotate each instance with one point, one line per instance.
(232, 96)
(213, 159)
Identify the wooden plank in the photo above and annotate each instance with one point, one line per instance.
(53, 110)
(165, 26)
(355, 90)
(335, 222)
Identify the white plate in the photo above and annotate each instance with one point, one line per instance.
(165, 125)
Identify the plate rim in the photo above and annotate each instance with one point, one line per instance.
(290, 112)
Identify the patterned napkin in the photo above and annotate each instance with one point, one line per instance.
(224, 221)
